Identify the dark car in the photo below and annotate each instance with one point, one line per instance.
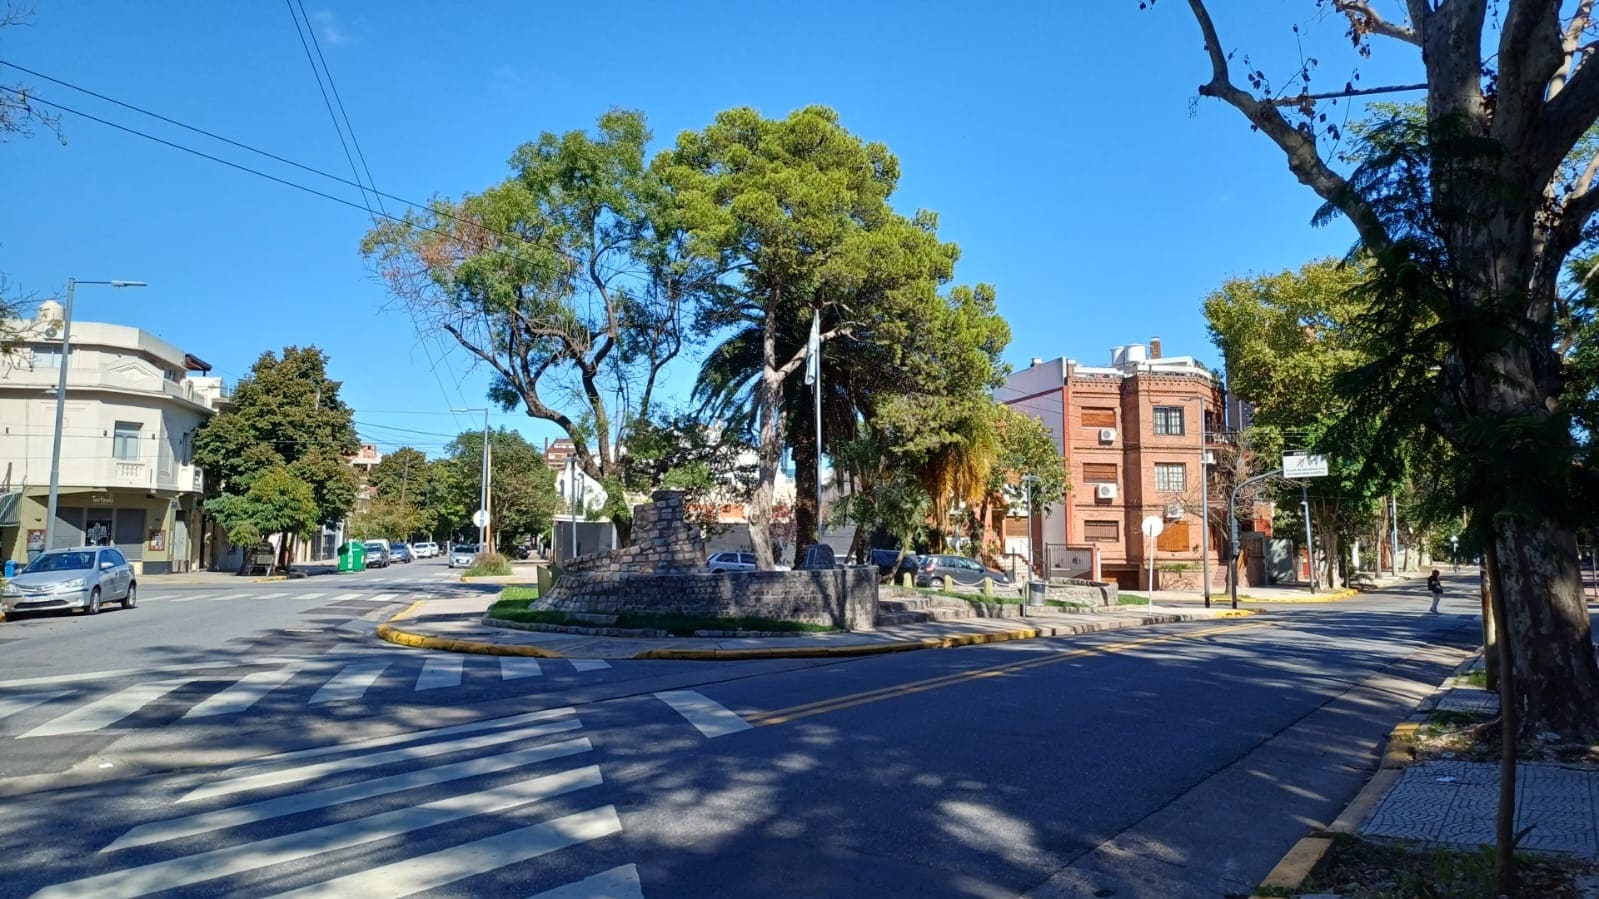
(940, 571)
(890, 565)
(377, 554)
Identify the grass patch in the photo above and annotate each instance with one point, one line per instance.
(1359, 869)
(1476, 678)
(1131, 599)
(520, 594)
(996, 599)
(489, 565)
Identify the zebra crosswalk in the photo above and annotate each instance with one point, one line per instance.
(34, 710)
(367, 818)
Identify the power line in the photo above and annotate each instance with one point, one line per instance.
(340, 101)
(317, 74)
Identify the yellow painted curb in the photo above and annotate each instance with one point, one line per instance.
(1291, 872)
(1237, 613)
(1320, 597)
(269, 578)
(419, 641)
(817, 652)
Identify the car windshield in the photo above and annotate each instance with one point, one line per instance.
(397, 546)
(78, 561)
(466, 549)
(374, 546)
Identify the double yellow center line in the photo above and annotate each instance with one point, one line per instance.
(820, 707)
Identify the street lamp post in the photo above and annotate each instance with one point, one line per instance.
(1028, 480)
(1454, 550)
(61, 404)
(485, 474)
(1232, 521)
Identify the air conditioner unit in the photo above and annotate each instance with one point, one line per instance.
(1174, 512)
(1107, 435)
(1105, 491)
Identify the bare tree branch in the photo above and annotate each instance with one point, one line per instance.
(1365, 20)
(1300, 145)
(1572, 49)
(1300, 100)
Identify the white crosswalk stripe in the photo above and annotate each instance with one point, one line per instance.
(351, 683)
(107, 711)
(621, 882)
(438, 860)
(243, 694)
(440, 671)
(10, 705)
(513, 667)
(195, 598)
(590, 664)
(708, 716)
(310, 596)
(344, 597)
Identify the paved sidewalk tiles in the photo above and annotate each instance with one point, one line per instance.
(1454, 802)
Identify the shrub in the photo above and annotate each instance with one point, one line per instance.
(489, 565)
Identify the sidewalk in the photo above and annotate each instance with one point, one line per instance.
(1285, 593)
(1451, 802)
(456, 624)
(219, 578)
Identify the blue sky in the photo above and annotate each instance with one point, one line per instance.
(1064, 149)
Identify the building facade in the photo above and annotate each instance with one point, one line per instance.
(1132, 434)
(127, 477)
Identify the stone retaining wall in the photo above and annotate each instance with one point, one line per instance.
(1085, 592)
(840, 597)
(663, 573)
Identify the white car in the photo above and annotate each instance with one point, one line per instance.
(731, 561)
(425, 550)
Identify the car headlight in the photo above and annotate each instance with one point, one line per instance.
(11, 590)
(74, 584)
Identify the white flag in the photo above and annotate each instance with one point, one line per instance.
(813, 349)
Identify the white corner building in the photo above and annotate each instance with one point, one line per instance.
(128, 477)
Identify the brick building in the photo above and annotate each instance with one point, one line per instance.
(1131, 436)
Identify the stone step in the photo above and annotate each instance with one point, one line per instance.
(915, 604)
(888, 619)
(950, 614)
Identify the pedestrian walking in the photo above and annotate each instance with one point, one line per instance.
(1435, 586)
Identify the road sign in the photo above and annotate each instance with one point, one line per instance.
(480, 518)
(1304, 465)
(1152, 526)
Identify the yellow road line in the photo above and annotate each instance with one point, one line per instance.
(793, 713)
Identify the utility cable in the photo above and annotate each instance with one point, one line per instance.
(317, 74)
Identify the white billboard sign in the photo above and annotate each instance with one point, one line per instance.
(1304, 465)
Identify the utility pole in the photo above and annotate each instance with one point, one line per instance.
(1310, 546)
(1232, 520)
(1393, 534)
(1204, 502)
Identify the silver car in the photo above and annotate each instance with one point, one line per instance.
(463, 556)
(72, 579)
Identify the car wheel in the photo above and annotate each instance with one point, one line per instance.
(936, 583)
(93, 606)
(132, 599)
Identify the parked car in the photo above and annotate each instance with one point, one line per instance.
(730, 561)
(400, 552)
(939, 571)
(377, 554)
(890, 565)
(427, 549)
(72, 579)
(462, 555)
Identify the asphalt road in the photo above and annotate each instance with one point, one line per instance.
(1174, 761)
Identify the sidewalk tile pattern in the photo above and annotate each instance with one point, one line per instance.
(1454, 802)
(1474, 700)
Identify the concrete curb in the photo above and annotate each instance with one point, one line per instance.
(1320, 597)
(858, 649)
(1291, 872)
(420, 641)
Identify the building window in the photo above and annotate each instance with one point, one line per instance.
(1099, 417)
(1169, 420)
(1099, 472)
(46, 357)
(125, 441)
(1171, 477)
(1101, 531)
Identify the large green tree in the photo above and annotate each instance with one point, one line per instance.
(284, 416)
(522, 496)
(569, 280)
(799, 208)
(1469, 223)
(277, 502)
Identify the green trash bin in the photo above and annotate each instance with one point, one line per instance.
(352, 556)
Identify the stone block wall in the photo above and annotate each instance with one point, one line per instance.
(663, 573)
(840, 597)
(663, 543)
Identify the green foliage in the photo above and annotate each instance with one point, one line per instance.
(569, 279)
(384, 518)
(489, 564)
(522, 496)
(1027, 449)
(285, 416)
(277, 502)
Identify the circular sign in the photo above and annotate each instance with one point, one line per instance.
(481, 518)
(1152, 526)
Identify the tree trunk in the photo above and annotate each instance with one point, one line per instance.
(1546, 625)
(769, 398)
(1505, 817)
(807, 528)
